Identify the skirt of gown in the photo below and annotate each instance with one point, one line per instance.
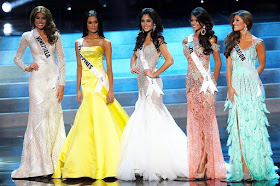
(93, 143)
(202, 124)
(45, 132)
(153, 146)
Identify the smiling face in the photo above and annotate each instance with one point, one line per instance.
(147, 23)
(238, 24)
(40, 21)
(195, 23)
(92, 24)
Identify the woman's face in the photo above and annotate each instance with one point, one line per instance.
(147, 23)
(195, 23)
(238, 24)
(92, 24)
(40, 21)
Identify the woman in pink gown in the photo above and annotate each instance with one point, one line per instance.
(205, 152)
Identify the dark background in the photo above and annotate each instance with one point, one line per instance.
(123, 14)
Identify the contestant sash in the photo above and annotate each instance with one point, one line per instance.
(153, 86)
(252, 70)
(47, 54)
(207, 81)
(102, 81)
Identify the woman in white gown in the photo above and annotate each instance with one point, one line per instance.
(45, 133)
(153, 146)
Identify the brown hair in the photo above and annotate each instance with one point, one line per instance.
(233, 38)
(50, 28)
(204, 19)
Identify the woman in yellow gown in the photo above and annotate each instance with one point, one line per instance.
(93, 143)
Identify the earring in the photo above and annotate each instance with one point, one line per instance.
(203, 31)
(245, 30)
(142, 31)
(154, 27)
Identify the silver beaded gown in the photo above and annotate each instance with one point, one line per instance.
(45, 133)
(152, 145)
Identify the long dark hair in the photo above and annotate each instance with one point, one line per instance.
(156, 34)
(233, 38)
(204, 18)
(100, 23)
(50, 28)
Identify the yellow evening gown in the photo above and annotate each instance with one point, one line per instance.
(92, 146)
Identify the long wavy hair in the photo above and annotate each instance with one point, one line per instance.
(155, 34)
(100, 23)
(233, 38)
(50, 28)
(204, 18)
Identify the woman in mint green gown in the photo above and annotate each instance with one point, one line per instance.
(249, 147)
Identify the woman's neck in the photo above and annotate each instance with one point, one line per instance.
(40, 31)
(93, 35)
(196, 34)
(244, 36)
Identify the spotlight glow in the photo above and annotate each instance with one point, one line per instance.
(202, 1)
(7, 29)
(69, 8)
(6, 7)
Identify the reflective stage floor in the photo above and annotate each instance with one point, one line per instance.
(11, 146)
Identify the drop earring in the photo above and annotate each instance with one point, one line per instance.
(154, 27)
(203, 31)
(245, 30)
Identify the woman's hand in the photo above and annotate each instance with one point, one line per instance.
(231, 93)
(110, 97)
(148, 72)
(60, 93)
(79, 96)
(135, 70)
(33, 66)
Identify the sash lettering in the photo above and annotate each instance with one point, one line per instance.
(207, 81)
(102, 81)
(51, 61)
(251, 70)
(153, 86)
(43, 46)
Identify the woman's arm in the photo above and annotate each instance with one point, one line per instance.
(217, 59)
(231, 91)
(61, 62)
(20, 51)
(108, 56)
(261, 57)
(133, 68)
(79, 74)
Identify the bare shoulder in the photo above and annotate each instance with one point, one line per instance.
(106, 42)
(80, 40)
(213, 40)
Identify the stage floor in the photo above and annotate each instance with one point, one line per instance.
(11, 146)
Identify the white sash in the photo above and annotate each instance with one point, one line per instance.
(251, 70)
(207, 81)
(153, 86)
(47, 54)
(102, 81)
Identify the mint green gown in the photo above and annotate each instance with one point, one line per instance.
(250, 110)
